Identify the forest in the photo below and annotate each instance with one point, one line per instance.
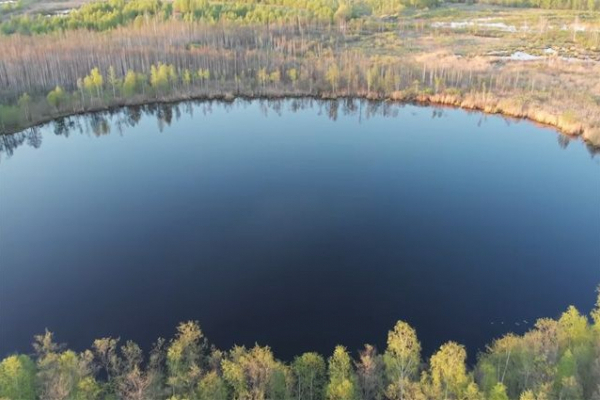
(557, 359)
(115, 53)
(53, 75)
(104, 15)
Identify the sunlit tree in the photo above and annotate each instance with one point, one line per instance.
(309, 371)
(184, 358)
(17, 378)
(402, 357)
(212, 387)
(342, 380)
(448, 371)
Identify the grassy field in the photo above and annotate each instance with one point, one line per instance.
(555, 52)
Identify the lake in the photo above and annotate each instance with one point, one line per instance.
(297, 224)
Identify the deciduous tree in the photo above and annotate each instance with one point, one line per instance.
(342, 379)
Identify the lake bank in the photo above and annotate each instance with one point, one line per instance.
(487, 103)
(410, 60)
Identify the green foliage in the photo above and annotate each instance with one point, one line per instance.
(570, 389)
(527, 395)
(309, 371)
(573, 328)
(94, 82)
(566, 366)
(24, 101)
(10, 116)
(342, 381)
(130, 84)
(488, 374)
(279, 386)
(24, 104)
(204, 74)
(596, 311)
(421, 3)
(105, 15)
(333, 76)
(372, 78)
(234, 373)
(57, 97)
(583, 5)
(184, 358)
(87, 389)
(401, 358)
(97, 15)
(163, 77)
(212, 387)
(448, 370)
(558, 359)
(292, 74)
(250, 372)
(343, 13)
(473, 392)
(17, 378)
(64, 374)
(275, 76)
(114, 81)
(262, 76)
(190, 7)
(498, 392)
(403, 354)
(186, 77)
(8, 8)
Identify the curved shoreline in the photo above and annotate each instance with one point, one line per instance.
(590, 136)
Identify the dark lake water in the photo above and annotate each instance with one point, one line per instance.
(297, 224)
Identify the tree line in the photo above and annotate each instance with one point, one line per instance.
(581, 5)
(104, 15)
(103, 123)
(558, 359)
(49, 76)
(101, 15)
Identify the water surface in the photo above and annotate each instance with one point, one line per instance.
(296, 224)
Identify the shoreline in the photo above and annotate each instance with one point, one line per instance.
(542, 118)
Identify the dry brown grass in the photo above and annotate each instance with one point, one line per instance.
(550, 90)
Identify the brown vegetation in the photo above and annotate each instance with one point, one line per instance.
(302, 59)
